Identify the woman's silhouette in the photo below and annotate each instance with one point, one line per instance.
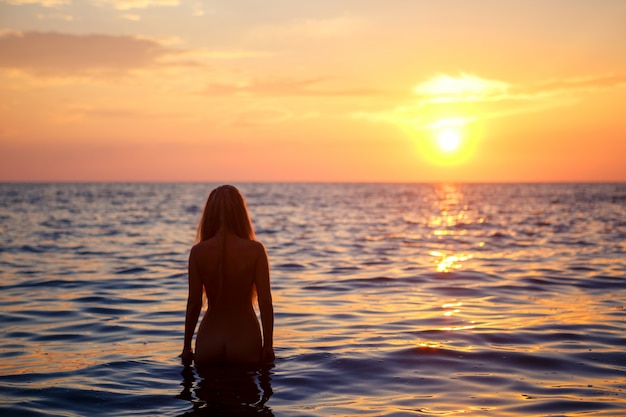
(230, 267)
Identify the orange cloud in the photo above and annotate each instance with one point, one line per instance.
(471, 88)
(457, 92)
(44, 3)
(85, 111)
(284, 86)
(53, 53)
(313, 29)
(465, 87)
(140, 4)
(576, 84)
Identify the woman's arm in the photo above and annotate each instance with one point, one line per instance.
(194, 306)
(264, 294)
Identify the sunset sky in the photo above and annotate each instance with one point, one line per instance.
(371, 91)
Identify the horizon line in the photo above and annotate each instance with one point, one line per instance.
(486, 182)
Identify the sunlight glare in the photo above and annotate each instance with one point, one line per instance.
(449, 139)
(447, 263)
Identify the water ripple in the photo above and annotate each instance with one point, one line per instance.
(391, 300)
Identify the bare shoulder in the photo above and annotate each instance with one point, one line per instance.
(201, 248)
(252, 247)
(258, 247)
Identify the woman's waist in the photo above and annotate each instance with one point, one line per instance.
(228, 322)
(232, 313)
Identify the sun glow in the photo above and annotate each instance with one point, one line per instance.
(448, 120)
(449, 139)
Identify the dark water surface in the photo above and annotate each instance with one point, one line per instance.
(391, 300)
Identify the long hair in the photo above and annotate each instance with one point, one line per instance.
(225, 212)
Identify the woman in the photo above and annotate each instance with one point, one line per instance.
(230, 267)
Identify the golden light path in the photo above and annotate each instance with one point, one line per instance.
(446, 263)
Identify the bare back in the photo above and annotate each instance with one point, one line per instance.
(229, 331)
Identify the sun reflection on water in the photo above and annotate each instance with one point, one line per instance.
(468, 327)
(451, 305)
(451, 309)
(447, 263)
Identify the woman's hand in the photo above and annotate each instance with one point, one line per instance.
(187, 357)
(267, 354)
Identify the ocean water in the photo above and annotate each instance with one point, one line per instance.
(390, 300)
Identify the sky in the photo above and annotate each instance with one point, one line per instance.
(341, 91)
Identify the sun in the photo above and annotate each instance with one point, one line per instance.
(448, 134)
(449, 139)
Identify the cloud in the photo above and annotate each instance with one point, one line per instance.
(44, 3)
(198, 9)
(74, 112)
(471, 88)
(285, 86)
(52, 53)
(471, 95)
(313, 29)
(465, 87)
(576, 84)
(55, 54)
(223, 55)
(55, 16)
(140, 4)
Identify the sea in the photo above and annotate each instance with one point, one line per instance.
(390, 300)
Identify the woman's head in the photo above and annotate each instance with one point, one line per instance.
(225, 212)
